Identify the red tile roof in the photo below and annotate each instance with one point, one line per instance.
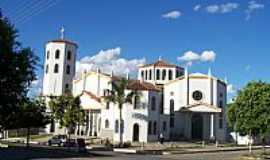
(159, 63)
(93, 96)
(141, 85)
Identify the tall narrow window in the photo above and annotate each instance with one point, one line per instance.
(122, 125)
(220, 121)
(116, 127)
(164, 128)
(142, 74)
(56, 68)
(220, 104)
(171, 113)
(150, 74)
(146, 75)
(136, 102)
(68, 69)
(163, 74)
(170, 74)
(155, 128)
(69, 55)
(149, 127)
(47, 68)
(107, 125)
(153, 103)
(158, 74)
(48, 54)
(107, 105)
(57, 54)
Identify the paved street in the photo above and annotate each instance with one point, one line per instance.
(200, 156)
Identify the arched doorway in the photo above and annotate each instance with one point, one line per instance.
(197, 126)
(136, 132)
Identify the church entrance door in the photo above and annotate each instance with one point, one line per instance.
(197, 126)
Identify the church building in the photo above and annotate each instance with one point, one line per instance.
(172, 102)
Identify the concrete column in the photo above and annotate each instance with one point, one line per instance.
(212, 136)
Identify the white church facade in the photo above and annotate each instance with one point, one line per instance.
(174, 103)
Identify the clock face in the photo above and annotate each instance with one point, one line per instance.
(197, 95)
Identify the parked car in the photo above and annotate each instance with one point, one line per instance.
(57, 140)
(70, 143)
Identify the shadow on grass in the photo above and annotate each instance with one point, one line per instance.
(23, 153)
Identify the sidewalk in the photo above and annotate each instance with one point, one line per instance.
(184, 149)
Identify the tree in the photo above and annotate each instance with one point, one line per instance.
(118, 96)
(67, 110)
(17, 71)
(231, 118)
(250, 113)
(32, 114)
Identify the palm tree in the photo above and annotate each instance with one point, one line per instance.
(117, 96)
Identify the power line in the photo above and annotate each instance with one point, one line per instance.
(28, 9)
(37, 12)
(23, 8)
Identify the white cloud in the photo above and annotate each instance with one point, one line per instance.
(208, 56)
(222, 8)
(35, 88)
(253, 6)
(172, 14)
(190, 57)
(109, 60)
(231, 89)
(197, 7)
(212, 8)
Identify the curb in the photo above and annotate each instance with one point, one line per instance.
(162, 152)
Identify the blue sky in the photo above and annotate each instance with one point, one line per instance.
(235, 31)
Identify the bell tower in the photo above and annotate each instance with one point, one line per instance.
(59, 66)
(59, 71)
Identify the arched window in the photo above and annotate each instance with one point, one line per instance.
(170, 74)
(146, 75)
(107, 125)
(56, 68)
(142, 74)
(57, 54)
(163, 74)
(66, 86)
(155, 128)
(150, 74)
(69, 55)
(116, 127)
(153, 103)
(68, 69)
(47, 68)
(158, 74)
(136, 102)
(48, 54)
(149, 127)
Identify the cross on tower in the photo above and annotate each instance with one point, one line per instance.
(62, 31)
